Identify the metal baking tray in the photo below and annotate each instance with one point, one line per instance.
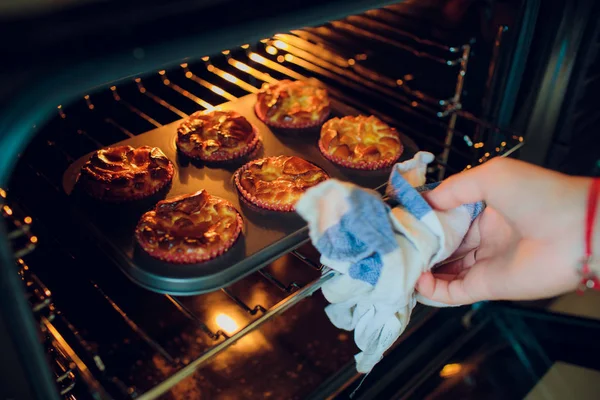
(266, 235)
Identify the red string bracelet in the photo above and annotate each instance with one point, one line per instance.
(589, 279)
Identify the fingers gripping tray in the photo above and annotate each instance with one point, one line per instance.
(265, 236)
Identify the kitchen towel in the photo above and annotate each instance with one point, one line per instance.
(379, 252)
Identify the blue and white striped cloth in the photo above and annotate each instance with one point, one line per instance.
(379, 252)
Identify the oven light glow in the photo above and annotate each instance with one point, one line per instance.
(217, 90)
(239, 65)
(226, 323)
(61, 112)
(228, 77)
(450, 370)
(280, 45)
(257, 58)
(88, 101)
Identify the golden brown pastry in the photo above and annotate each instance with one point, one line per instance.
(216, 136)
(276, 183)
(360, 142)
(292, 104)
(124, 173)
(189, 229)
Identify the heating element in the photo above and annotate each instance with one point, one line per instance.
(116, 339)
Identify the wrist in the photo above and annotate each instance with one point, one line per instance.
(589, 265)
(595, 237)
(576, 192)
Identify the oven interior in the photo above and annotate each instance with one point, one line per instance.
(433, 73)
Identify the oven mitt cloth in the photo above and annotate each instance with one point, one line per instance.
(379, 252)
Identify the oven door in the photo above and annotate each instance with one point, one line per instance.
(491, 351)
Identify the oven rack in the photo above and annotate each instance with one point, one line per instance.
(71, 366)
(445, 120)
(302, 53)
(128, 109)
(22, 240)
(66, 366)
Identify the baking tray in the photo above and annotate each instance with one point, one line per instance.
(266, 235)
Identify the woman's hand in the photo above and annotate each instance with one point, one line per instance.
(526, 244)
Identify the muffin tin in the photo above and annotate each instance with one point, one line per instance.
(266, 234)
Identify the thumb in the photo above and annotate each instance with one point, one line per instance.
(467, 288)
(466, 187)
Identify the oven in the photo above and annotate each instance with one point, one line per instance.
(466, 80)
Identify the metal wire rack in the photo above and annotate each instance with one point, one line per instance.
(346, 55)
(66, 366)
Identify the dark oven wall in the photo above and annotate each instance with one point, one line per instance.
(575, 147)
(554, 106)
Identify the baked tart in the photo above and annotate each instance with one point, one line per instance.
(360, 142)
(216, 136)
(277, 183)
(189, 229)
(295, 105)
(125, 173)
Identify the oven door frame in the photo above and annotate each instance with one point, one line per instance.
(30, 95)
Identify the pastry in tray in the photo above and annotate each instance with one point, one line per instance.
(189, 229)
(125, 173)
(276, 183)
(292, 105)
(216, 136)
(360, 142)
